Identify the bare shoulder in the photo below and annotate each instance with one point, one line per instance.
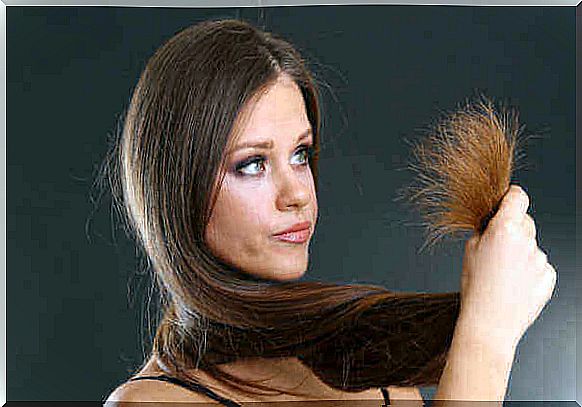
(142, 391)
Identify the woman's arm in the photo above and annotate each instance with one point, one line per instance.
(505, 283)
(477, 367)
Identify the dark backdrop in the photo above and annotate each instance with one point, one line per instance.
(76, 293)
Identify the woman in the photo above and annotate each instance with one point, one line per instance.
(216, 169)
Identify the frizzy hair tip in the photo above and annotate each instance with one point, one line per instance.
(462, 169)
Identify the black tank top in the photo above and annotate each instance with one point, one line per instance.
(199, 388)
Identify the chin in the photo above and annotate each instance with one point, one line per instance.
(282, 273)
(280, 267)
(291, 270)
(289, 275)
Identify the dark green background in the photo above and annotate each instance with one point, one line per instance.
(76, 293)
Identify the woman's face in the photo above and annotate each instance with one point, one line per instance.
(268, 189)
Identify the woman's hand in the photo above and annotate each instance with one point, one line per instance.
(506, 278)
(506, 281)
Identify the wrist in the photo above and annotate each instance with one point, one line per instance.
(477, 368)
(478, 363)
(489, 336)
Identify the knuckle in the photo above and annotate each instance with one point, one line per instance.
(541, 257)
(550, 272)
(508, 227)
(525, 198)
(520, 189)
(530, 222)
(521, 196)
(553, 278)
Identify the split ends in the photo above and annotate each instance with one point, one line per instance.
(463, 168)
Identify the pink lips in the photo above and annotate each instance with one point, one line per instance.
(298, 233)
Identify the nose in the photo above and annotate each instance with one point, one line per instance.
(293, 191)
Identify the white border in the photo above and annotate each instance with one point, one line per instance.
(175, 3)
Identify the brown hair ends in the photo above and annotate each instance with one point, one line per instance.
(164, 171)
(463, 167)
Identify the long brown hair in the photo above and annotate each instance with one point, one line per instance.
(164, 171)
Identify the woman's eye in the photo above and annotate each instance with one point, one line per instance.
(304, 154)
(251, 167)
(256, 165)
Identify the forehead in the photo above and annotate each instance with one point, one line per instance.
(278, 111)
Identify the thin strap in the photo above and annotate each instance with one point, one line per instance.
(199, 388)
(195, 387)
(385, 394)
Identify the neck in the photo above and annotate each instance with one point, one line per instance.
(279, 373)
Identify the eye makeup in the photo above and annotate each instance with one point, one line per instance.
(239, 169)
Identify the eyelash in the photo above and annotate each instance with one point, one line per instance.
(308, 148)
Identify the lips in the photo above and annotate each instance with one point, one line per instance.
(298, 233)
(295, 228)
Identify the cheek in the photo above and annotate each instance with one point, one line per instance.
(239, 220)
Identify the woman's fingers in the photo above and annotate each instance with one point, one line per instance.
(506, 278)
(530, 227)
(511, 218)
(541, 261)
(547, 285)
(513, 205)
(552, 277)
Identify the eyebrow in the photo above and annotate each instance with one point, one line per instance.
(268, 145)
